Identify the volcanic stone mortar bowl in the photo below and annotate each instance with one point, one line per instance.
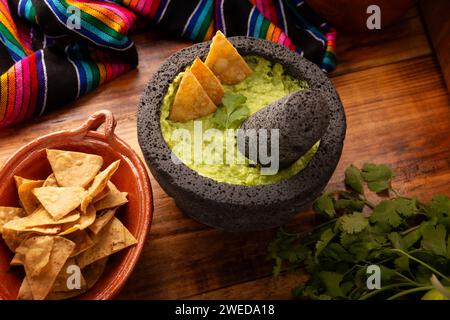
(237, 207)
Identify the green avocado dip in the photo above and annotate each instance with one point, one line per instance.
(266, 84)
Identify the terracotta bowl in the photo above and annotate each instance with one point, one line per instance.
(31, 162)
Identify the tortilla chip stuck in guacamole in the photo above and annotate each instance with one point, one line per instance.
(191, 101)
(226, 62)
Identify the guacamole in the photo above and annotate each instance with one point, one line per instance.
(266, 84)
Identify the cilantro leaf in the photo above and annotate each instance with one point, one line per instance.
(378, 177)
(347, 239)
(434, 238)
(404, 243)
(406, 207)
(354, 223)
(438, 207)
(233, 111)
(354, 179)
(390, 211)
(324, 240)
(402, 263)
(349, 205)
(332, 281)
(324, 206)
(385, 212)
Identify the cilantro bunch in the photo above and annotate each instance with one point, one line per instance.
(408, 240)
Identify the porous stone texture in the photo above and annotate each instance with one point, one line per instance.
(301, 119)
(237, 207)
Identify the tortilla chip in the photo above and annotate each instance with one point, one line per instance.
(61, 281)
(34, 253)
(42, 230)
(25, 291)
(41, 284)
(26, 197)
(93, 272)
(8, 214)
(113, 238)
(102, 220)
(82, 240)
(100, 182)
(112, 187)
(74, 169)
(208, 81)
(13, 239)
(112, 200)
(60, 201)
(64, 295)
(191, 101)
(51, 181)
(39, 218)
(101, 195)
(226, 62)
(86, 219)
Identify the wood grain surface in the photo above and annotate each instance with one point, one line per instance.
(398, 112)
(437, 20)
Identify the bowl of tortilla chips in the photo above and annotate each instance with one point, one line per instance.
(75, 210)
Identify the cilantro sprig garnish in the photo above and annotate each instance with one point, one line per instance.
(232, 112)
(407, 239)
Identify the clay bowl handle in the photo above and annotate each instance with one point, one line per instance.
(95, 121)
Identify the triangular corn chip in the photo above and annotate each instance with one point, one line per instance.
(40, 217)
(208, 81)
(113, 238)
(226, 62)
(13, 239)
(8, 214)
(93, 271)
(74, 169)
(41, 284)
(102, 220)
(60, 284)
(82, 240)
(42, 230)
(101, 195)
(99, 183)
(112, 187)
(26, 197)
(191, 101)
(51, 181)
(60, 201)
(112, 200)
(34, 254)
(86, 219)
(25, 291)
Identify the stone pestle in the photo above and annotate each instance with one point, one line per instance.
(302, 119)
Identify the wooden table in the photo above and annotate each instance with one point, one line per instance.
(398, 113)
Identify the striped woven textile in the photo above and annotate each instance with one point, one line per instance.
(54, 51)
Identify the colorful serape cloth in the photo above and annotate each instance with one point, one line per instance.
(54, 51)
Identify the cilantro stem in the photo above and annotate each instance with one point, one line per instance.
(406, 292)
(366, 201)
(406, 278)
(409, 230)
(298, 235)
(391, 286)
(395, 192)
(422, 263)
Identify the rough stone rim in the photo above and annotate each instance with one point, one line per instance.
(307, 182)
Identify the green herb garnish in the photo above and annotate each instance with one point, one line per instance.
(232, 112)
(408, 240)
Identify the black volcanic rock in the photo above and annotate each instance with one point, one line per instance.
(301, 118)
(237, 207)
